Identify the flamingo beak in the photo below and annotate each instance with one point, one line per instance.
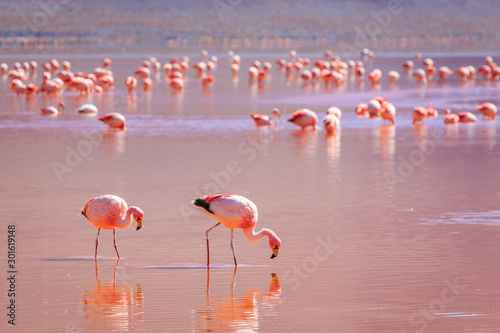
(275, 252)
(139, 223)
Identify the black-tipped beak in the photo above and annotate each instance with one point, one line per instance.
(275, 252)
(139, 223)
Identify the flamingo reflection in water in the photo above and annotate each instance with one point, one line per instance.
(109, 306)
(240, 313)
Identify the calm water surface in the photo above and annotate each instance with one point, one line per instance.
(384, 229)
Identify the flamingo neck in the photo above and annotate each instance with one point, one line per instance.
(253, 236)
(127, 220)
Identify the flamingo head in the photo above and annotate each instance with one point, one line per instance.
(138, 216)
(276, 112)
(274, 244)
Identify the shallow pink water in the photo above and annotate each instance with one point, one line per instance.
(384, 229)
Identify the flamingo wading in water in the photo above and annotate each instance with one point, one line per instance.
(52, 111)
(110, 212)
(235, 211)
(304, 118)
(89, 109)
(263, 120)
(114, 120)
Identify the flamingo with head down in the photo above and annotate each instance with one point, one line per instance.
(234, 211)
(114, 120)
(110, 212)
(263, 120)
(488, 110)
(304, 118)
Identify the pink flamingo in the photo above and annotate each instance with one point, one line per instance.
(393, 76)
(304, 118)
(3, 68)
(107, 62)
(428, 62)
(18, 87)
(110, 212)
(177, 83)
(488, 110)
(147, 84)
(375, 76)
(408, 65)
(444, 72)
(207, 80)
(264, 120)
(252, 73)
(419, 114)
(89, 109)
(431, 112)
(389, 113)
(420, 76)
(52, 110)
(235, 211)
(114, 120)
(485, 71)
(450, 118)
(143, 72)
(362, 109)
(466, 117)
(235, 68)
(463, 73)
(131, 83)
(31, 89)
(331, 123)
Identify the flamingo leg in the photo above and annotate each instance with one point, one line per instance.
(232, 248)
(114, 241)
(208, 247)
(97, 242)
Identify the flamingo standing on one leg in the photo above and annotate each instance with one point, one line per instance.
(52, 111)
(113, 120)
(304, 118)
(235, 211)
(110, 212)
(263, 120)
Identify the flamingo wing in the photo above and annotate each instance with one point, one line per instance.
(231, 210)
(105, 211)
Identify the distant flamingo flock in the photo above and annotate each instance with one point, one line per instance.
(59, 77)
(331, 70)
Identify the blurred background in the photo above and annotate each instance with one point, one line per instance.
(393, 26)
